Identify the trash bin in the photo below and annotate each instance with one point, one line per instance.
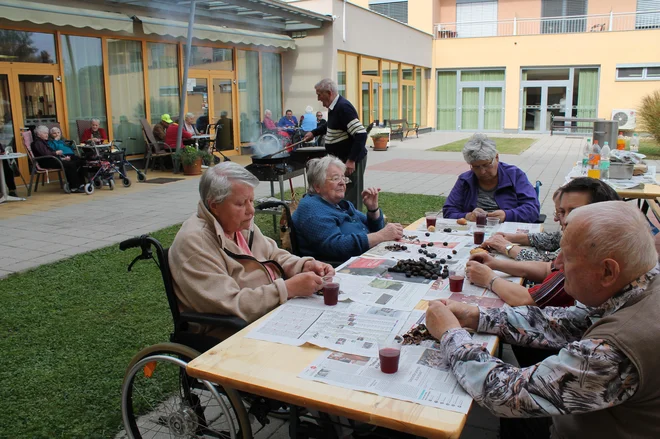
(606, 131)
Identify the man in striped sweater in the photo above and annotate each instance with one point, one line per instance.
(345, 137)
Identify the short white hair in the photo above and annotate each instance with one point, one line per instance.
(317, 170)
(326, 84)
(55, 128)
(190, 115)
(479, 147)
(98, 121)
(268, 113)
(630, 240)
(309, 109)
(216, 183)
(41, 129)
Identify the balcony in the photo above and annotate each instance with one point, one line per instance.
(612, 22)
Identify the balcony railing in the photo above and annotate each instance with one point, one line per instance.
(620, 21)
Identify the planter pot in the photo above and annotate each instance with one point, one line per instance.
(380, 143)
(194, 169)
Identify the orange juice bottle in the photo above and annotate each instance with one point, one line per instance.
(594, 161)
(621, 142)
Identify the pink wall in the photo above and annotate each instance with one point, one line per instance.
(444, 11)
(604, 7)
(507, 9)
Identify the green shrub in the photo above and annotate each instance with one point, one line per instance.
(649, 114)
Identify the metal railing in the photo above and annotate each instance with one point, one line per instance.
(612, 22)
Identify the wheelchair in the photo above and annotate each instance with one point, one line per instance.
(158, 396)
(273, 140)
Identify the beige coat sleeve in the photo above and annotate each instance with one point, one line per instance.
(208, 288)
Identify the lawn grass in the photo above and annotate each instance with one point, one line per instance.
(650, 148)
(505, 145)
(69, 329)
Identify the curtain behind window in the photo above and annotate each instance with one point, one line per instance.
(248, 95)
(271, 82)
(587, 94)
(163, 66)
(127, 93)
(446, 101)
(83, 76)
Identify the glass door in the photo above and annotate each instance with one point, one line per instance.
(37, 99)
(222, 113)
(492, 109)
(540, 104)
(371, 99)
(556, 104)
(532, 108)
(375, 100)
(197, 99)
(6, 119)
(469, 108)
(366, 102)
(407, 102)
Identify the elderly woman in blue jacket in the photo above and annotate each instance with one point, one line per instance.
(492, 187)
(329, 227)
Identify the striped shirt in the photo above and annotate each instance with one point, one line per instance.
(345, 136)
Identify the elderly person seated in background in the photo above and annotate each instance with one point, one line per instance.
(329, 227)
(73, 170)
(307, 120)
(550, 288)
(57, 143)
(161, 127)
(288, 122)
(269, 124)
(95, 133)
(221, 263)
(171, 134)
(491, 187)
(579, 191)
(604, 381)
(189, 124)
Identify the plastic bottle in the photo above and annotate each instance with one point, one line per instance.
(585, 155)
(634, 143)
(605, 162)
(621, 142)
(594, 161)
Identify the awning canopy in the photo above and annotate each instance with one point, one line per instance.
(179, 29)
(40, 13)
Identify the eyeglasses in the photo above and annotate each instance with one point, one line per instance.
(483, 167)
(337, 179)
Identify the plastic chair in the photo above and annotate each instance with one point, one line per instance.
(39, 171)
(82, 125)
(154, 150)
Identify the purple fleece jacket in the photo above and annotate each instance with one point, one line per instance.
(514, 194)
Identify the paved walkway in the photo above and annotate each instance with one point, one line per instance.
(51, 226)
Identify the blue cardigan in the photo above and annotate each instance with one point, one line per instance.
(514, 194)
(332, 232)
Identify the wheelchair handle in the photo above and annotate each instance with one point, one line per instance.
(138, 241)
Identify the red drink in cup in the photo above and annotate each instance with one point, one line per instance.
(479, 234)
(456, 283)
(431, 218)
(481, 219)
(389, 359)
(330, 290)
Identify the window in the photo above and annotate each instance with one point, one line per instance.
(370, 66)
(638, 73)
(210, 58)
(33, 47)
(341, 74)
(248, 95)
(476, 18)
(163, 72)
(271, 81)
(556, 16)
(648, 16)
(397, 10)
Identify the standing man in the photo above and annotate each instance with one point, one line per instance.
(345, 137)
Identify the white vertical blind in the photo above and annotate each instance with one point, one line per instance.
(644, 19)
(483, 12)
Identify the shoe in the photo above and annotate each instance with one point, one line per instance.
(12, 194)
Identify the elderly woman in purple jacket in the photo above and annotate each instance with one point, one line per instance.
(497, 189)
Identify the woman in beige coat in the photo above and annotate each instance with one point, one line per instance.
(220, 261)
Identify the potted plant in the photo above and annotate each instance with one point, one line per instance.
(191, 158)
(380, 141)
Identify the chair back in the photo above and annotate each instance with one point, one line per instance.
(83, 125)
(27, 142)
(295, 249)
(148, 131)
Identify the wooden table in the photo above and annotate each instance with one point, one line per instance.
(271, 370)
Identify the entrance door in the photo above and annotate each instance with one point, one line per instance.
(481, 108)
(408, 102)
(540, 104)
(371, 90)
(222, 113)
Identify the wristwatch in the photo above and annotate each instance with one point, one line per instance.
(509, 247)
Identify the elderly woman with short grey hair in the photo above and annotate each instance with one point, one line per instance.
(491, 187)
(94, 132)
(220, 261)
(48, 158)
(331, 228)
(189, 124)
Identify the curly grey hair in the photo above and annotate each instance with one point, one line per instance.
(326, 84)
(317, 170)
(479, 147)
(216, 183)
(41, 129)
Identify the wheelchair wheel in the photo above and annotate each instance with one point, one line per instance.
(141, 177)
(111, 184)
(89, 188)
(98, 183)
(267, 144)
(159, 397)
(126, 182)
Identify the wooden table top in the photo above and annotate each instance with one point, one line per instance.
(271, 370)
(648, 191)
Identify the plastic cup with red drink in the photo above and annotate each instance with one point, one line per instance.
(389, 353)
(481, 219)
(456, 279)
(330, 290)
(479, 233)
(431, 218)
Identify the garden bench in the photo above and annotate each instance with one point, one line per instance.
(401, 126)
(559, 123)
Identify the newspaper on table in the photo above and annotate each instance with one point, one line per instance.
(444, 223)
(377, 291)
(423, 375)
(352, 328)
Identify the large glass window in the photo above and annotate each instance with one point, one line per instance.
(6, 120)
(271, 81)
(163, 72)
(20, 46)
(369, 66)
(38, 98)
(248, 95)
(446, 100)
(341, 74)
(127, 93)
(387, 90)
(352, 87)
(83, 78)
(394, 87)
(210, 58)
(418, 96)
(566, 9)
